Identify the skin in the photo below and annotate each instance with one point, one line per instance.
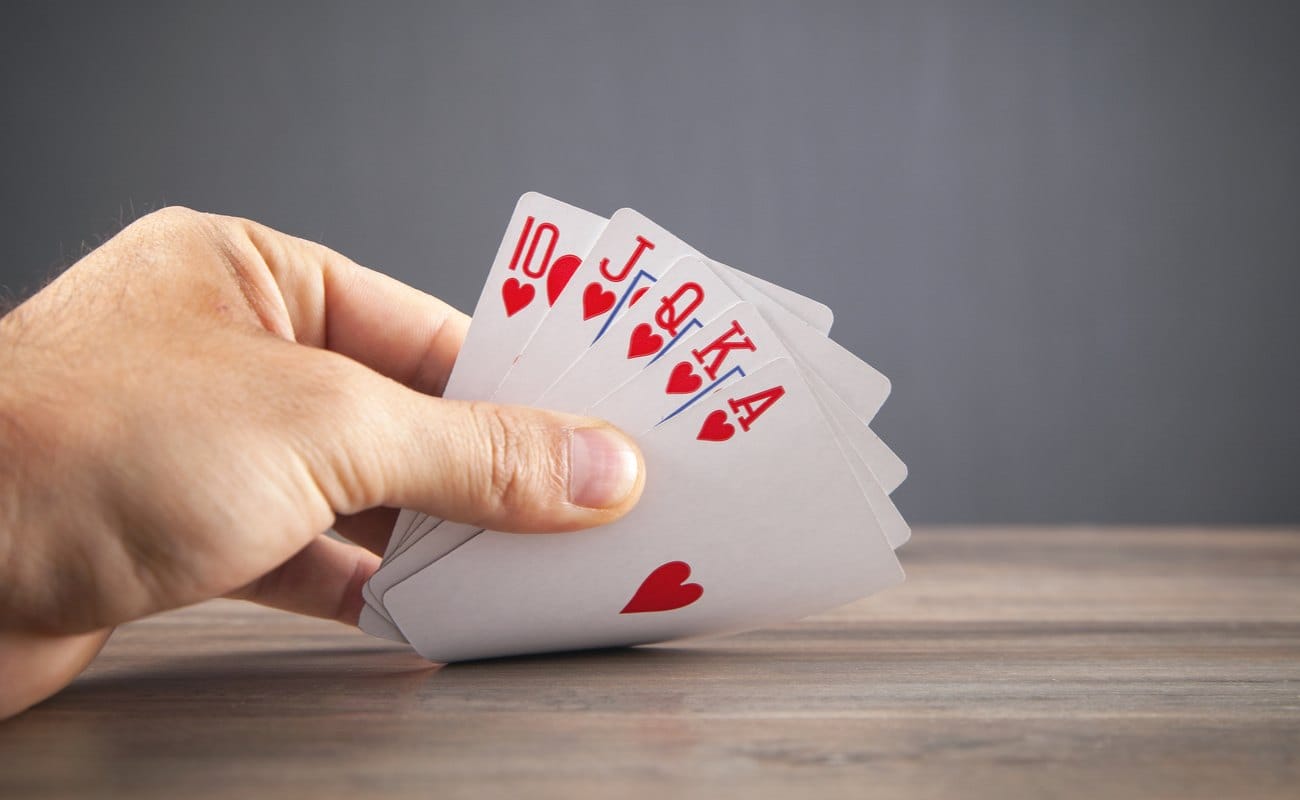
(185, 411)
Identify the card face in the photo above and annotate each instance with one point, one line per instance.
(543, 247)
(553, 347)
(630, 254)
(739, 339)
(623, 320)
(734, 344)
(626, 259)
(750, 517)
(689, 295)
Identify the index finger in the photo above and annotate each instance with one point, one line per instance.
(336, 304)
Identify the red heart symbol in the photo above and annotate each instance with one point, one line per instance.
(664, 589)
(558, 277)
(516, 295)
(644, 341)
(716, 428)
(637, 295)
(596, 301)
(683, 379)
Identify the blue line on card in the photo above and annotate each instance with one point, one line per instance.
(736, 370)
(694, 323)
(631, 287)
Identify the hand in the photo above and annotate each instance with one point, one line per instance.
(185, 411)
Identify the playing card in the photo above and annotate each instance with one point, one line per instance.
(849, 376)
(696, 291)
(751, 517)
(542, 248)
(735, 344)
(588, 348)
(856, 443)
(630, 253)
(688, 294)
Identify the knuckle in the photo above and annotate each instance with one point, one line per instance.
(513, 461)
(173, 214)
(502, 442)
(173, 229)
(174, 219)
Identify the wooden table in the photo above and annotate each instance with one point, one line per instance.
(1096, 663)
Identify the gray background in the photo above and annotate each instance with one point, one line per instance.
(1068, 231)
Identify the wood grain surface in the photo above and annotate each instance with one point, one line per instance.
(1013, 663)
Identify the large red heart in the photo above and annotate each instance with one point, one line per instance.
(665, 589)
(558, 276)
(716, 428)
(516, 295)
(596, 301)
(683, 380)
(644, 341)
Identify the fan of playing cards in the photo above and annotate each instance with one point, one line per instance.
(766, 496)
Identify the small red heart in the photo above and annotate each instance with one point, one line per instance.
(644, 341)
(516, 295)
(637, 295)
(665, 589)
(683, 379)
(558, 276)
(596, 301)
(716, 428)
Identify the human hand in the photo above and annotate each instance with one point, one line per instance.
(186, 410)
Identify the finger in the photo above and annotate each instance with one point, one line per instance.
(34, 666)
(370, 529)
(335, 304)
(506, 468)
(324, 579)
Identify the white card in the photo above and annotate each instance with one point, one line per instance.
(735, 344)
(848, 376)
(689, 294)
(629, 254)
(750, 517)
(542, 249)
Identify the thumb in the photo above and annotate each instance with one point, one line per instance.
(500, 467)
